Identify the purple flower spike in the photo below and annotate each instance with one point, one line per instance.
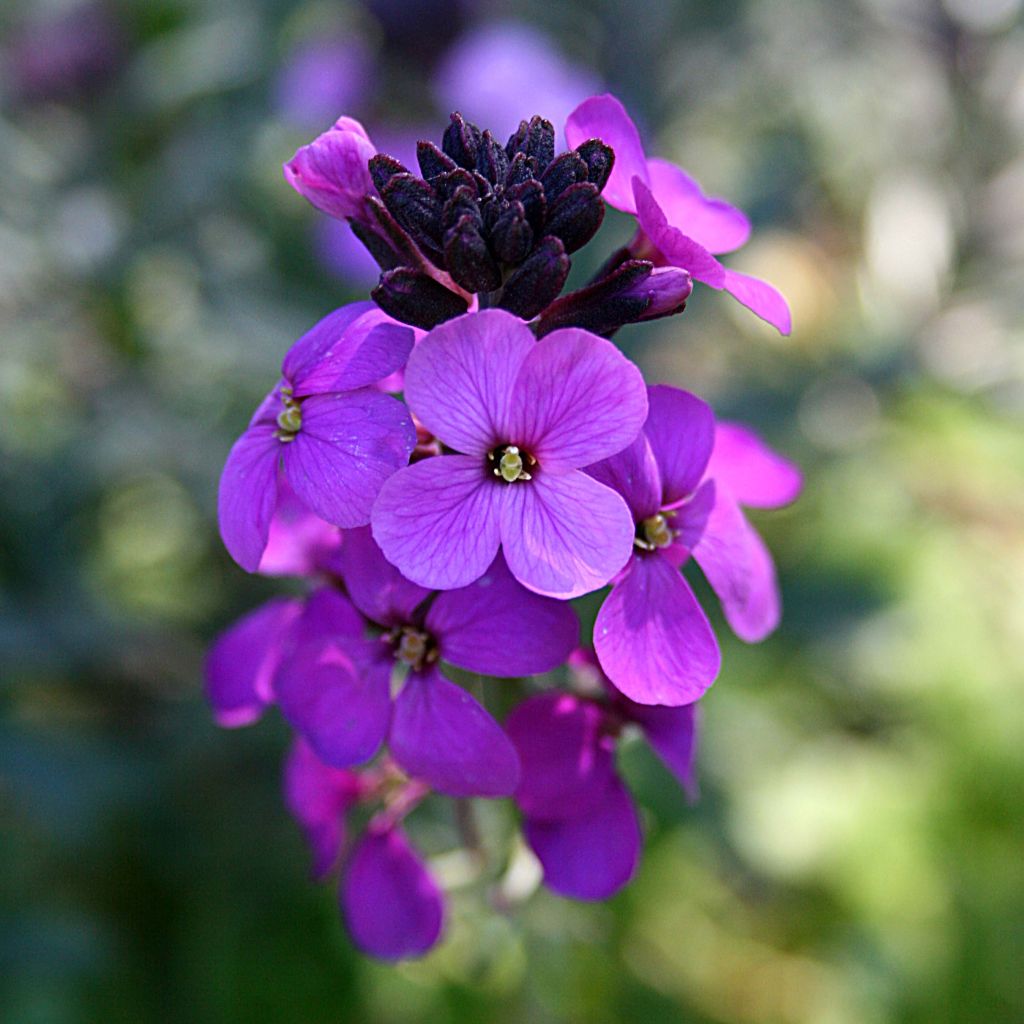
(679, 225)
(483, 385)
(335, 437)
(392, 906)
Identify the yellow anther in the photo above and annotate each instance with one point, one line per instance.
(656, 531)
(289, 419)
(413, 647)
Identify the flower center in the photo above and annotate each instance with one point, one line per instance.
(289, 419)
(511, 463)
(413, 647)
(654, 532)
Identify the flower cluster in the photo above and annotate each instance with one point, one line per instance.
(449, 467)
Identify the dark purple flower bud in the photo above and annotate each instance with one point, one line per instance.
(576, 215)
(386, 242)
(604, 306)
(512, 236)
(491, 160)
(414, 297)
(415, 205)
(538, 281)
(519, 170)
(531, 195)
(383, 168)
(469, 261)
(449, 182)
(432, 161)
(599, 159)
(461, 141)
(534, 139)
(562, 172)
(462, 203)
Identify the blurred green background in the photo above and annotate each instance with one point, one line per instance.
(857, 856)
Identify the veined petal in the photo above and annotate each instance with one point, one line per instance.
(392, 906)
(376, 587)
(241, 663)
(681, 430)
(307, 353)
(298, 542)
(499, 628)
(332, 172)
(753, 473)
(653, 639)
(713, 223)
(349, 444)
(678, 249)
(597, 408)
(564, 536)
(459, 378)
(248, 494)
(761, 298)
(634, 474)
(589, 857)
(339, 703)
(740, 569)
(605, 118)
(442, 735)
(438, 521)
(567, 758)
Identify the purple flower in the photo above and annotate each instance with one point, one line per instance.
(336, 689)
(335, 437)
(298, 542)
(577, 815)
(651, 635)
(678, 224)
(524, 417)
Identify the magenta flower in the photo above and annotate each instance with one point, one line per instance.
(524, 417)
(298, 542)
(335, 437)
(336, 688)
(678, 224)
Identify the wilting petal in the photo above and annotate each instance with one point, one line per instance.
(605, 118)
(652, 637)
(332, 172)
(752, 473)
(442, 735)
(713, 223)
(328, 615)
(499, 628)
(672, 732)
(460, 377)
(392, 906)
(681, 430)
(240, 665)
(564, 536)
(353, 347)
(740, 570)
(376, 587)
(348, 446)
(438, 521)
(760, 298)
(317, 797)
(298, 542)
(590, 857)
(678, 249)
(567, 758)
(634, 474)
(339, 703)
(248, 494)
(598, 407)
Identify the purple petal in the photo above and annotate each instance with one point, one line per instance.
(499, 628)
(328, 615)
(633, 473)
(441, 735)
(605, 118)
(590, 857)
(564, 536)
(241, 663)
(317, 797)
(460, 378)
(740, 570)
(713, 223)
(353, 347)
(248, 494)
(753, 473)
(652, 637)
(298, 542)
(348, 445)
(567, 757)
(681, 430)
(376, 587)
(332, 172)
(678, 249)
(391, 904)
(598, 407)
(438, 521)
(760, 298)
(672, 732)
(688, 522)
(340, 703)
